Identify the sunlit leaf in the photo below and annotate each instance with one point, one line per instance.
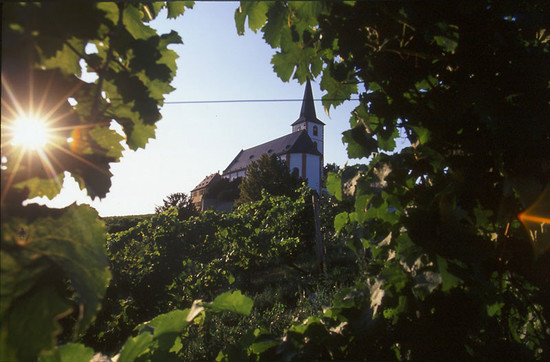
(283, 65)
(135, 346)
(334, 185)
(71, 352)
(232, 302)
(109, 140)
(67, 59)
(39, 187)
(140, 134)
(340, 220)
(134, 25)
(255, 11)
(337, 91)
(177, 8)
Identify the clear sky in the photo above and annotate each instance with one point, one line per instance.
(195, 140)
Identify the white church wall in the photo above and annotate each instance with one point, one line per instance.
(312, 171)
(296, 162)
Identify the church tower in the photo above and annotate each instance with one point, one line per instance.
(302, 149)
(308, 120)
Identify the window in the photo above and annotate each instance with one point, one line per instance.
(315, 130)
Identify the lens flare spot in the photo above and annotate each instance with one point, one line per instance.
(536, 220)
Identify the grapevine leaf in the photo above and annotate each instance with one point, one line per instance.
(73, 242)
(308, 11)
(449, 281)
(283, 65)
(494, 309)
(422, 133)
(334, 185)
(139, 134)
(232, 301)
(71, 352)
(31, 324)
(388, 143)
(135, 346)
(109, 140)
(110, 9)
(66, 59)
(134, 25)
(337, 91)
(255, 11)
(360, 143)
(16, 278)
(168, 57)
(277, 19)
(39, 187)
(177, 8)
(340, 220)
(169, 325)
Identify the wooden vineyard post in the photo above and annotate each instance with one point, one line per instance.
(319, 248)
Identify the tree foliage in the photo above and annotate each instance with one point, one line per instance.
(166, 262)
(181, 202)
(268, 174)
(81, 68)
(451, 271)
(448, 270)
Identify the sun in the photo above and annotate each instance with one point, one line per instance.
(31, 133)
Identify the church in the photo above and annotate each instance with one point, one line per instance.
(302, 150)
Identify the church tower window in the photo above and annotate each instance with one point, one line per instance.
(315, 131)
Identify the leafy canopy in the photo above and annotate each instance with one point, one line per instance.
(96, 66)
(271, 174)
(181, 202)
(463, 87)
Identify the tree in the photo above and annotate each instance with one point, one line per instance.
(271, 174)
(181, 202)
(224, 190)
(54, 267)
(466, 85)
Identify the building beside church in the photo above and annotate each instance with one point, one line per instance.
(198, 193)
(302, 150)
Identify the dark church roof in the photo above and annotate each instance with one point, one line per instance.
(307, 113)
(207, 180)
(296, 142)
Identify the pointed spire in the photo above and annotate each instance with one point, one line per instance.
(308, 106)
(307, 113)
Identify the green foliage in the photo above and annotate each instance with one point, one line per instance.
(268, 174)
(233, 302)
(95, 64)
(224, 190)
(446, 271)
(39, 255)
(69, 352)
(115, 224)
(181, 202)
(165, 263)
(449, 272)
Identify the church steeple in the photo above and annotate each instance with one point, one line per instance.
(308, 120)
(307, 113)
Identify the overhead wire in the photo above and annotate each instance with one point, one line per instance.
(256, 100)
